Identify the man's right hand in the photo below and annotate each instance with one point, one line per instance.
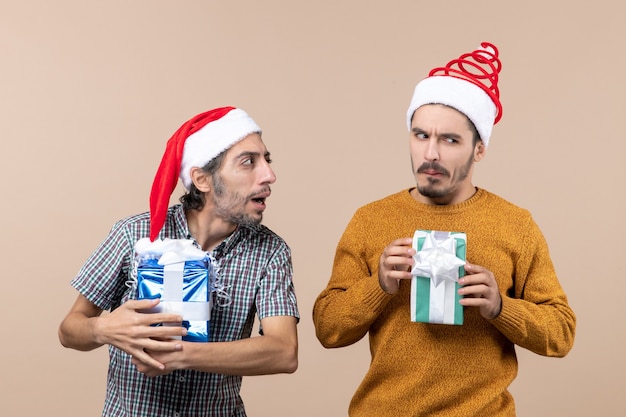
(132, 330)
(395, 264)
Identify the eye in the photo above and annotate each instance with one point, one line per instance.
(450, 140)
(421, 135)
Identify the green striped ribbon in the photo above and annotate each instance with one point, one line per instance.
(430, 304)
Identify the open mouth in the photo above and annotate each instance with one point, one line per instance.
(260, 197)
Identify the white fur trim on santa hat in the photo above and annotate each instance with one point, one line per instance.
(460, 94)
(214, 138)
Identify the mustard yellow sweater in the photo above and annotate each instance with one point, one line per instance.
(421, 369)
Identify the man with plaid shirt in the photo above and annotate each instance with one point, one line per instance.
(225, 167)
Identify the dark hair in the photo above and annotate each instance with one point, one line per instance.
(194, 199)
(472, 127)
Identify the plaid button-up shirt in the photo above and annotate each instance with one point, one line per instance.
(256, 271)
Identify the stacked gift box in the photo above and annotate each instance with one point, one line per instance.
(183, 277)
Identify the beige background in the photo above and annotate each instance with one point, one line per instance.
(91, 91)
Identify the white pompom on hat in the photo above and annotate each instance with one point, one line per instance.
(468, 84)
(194, 144)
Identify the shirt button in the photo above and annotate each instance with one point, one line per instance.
(181, 379)
(176, 414)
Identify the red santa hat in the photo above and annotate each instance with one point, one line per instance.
(469, 84)
(194, 144)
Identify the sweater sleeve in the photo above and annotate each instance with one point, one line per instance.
(538, 316)
(353, 299)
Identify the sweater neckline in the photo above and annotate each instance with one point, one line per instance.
(478, 195)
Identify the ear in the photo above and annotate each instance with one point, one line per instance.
(479, 151)
(200, 179)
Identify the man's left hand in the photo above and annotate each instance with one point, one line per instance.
(168, 359)
(480, 289)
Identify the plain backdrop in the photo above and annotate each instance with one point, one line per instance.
(90, 91)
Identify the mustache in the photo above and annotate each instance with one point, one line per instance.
(432, 166)
(264, 190)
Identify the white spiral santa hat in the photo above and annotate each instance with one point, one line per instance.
(468, 84)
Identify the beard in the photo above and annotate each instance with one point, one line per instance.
(231, 206)
(432, 189)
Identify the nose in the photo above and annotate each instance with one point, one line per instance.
(267, 175)
(432, 150)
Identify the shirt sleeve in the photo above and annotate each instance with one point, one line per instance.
(103, 277)
(537, 317)
(276, 295)
(344, 311)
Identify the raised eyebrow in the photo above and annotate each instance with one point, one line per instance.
(451, 135)
(417, 130)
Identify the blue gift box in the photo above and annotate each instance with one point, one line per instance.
(184, 288)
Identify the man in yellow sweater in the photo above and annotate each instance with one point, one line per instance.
(510, 292)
